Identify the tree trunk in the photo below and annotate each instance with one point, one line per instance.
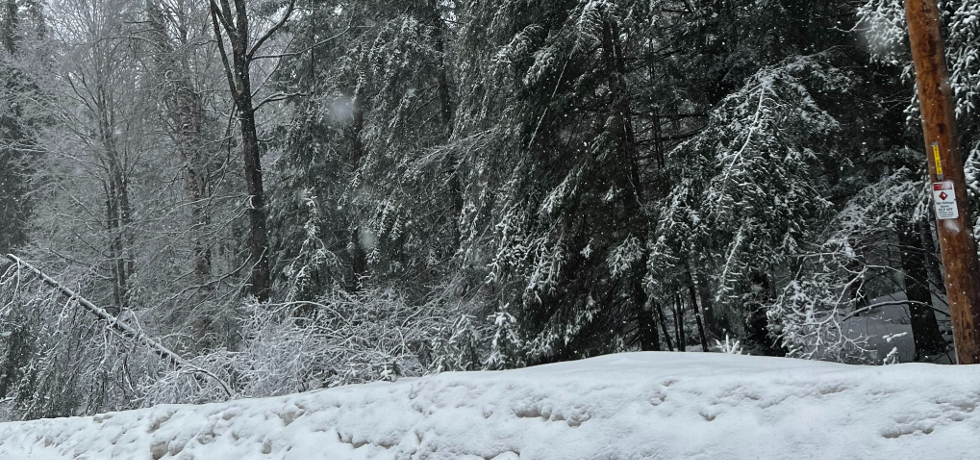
(358, 261)
(236, 26)
(17, 356)
(118, 213)
(679, 322)
(185, 113)
(620, 110)
(662, 319)
(446, 115)
(757, 333)
(715, 318)
(358, 254)
(697, 310)
(649, 340)
(258, 237)
(925, 329)
(649, 337)
(119, 221)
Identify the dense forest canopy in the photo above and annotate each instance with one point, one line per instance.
(293, 194)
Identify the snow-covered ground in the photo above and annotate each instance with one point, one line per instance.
(629, 406)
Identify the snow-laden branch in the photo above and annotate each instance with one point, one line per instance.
(122, 328)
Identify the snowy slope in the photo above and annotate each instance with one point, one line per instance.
(630, 406)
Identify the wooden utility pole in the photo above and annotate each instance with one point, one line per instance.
(959, 250)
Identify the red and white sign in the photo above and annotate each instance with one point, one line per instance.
(945, 198)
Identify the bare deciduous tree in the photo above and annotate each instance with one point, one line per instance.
(233, 24)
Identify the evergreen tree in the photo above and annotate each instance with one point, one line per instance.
(21, 27)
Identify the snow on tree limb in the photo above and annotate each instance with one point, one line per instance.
(113, 323)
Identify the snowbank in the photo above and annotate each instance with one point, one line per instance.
(630, 406)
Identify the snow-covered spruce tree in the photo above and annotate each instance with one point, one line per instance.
(685, 57)
(749, 191)
(368, 181)
(408, 180)
(731, 44)
(369, 131)
(310, 239)
(555, 203)
(22, 30)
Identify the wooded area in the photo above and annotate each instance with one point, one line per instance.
(293, 194)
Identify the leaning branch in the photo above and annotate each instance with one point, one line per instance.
(122, 328)
(111, 320)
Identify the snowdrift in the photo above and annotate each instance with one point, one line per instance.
(630, 406)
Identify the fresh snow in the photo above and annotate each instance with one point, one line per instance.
(627, 406)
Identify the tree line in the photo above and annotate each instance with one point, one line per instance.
(303, 193)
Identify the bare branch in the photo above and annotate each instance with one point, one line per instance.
(278, 97)
(273, 30)
(307, 49)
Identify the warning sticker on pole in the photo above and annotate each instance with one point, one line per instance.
(945, 198)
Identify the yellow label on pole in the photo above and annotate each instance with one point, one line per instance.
(939, 164)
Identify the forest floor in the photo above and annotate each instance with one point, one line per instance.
(627, 406)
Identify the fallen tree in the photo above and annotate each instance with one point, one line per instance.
(114, 324)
